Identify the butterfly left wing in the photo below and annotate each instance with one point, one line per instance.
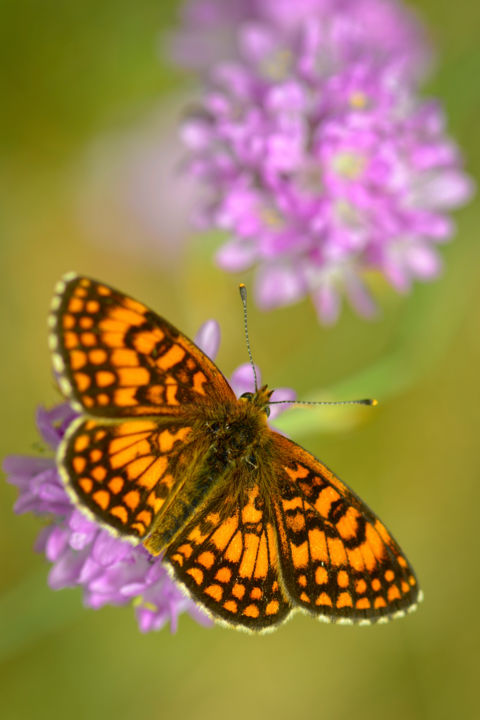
(338, 561)
(123, 474)
(114, 357)
(227, 559)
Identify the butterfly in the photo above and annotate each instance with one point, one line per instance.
(163, 453)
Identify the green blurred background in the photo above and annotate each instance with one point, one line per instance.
(85, 99)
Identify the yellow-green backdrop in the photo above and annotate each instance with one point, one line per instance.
(80, 80)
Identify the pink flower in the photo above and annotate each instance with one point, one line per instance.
(209, 31)
(320, 160)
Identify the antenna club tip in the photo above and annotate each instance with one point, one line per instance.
(373, 402)
(243, 291)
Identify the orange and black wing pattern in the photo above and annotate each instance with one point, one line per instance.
(114, 357)
(122, 474)
(337, 559)
(227, 559)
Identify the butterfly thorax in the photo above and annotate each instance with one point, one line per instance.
(233, 441)
(239, 429)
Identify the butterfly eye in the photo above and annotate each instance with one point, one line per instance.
(214, 427)
(246, 396)
(267, 410)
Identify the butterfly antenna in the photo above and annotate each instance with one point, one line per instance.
(243, 295)
(364, 401)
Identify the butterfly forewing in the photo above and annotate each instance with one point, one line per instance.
(337, 559)
(227, 559)
(114, 357)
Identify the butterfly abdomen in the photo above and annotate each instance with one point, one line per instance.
(230, 438)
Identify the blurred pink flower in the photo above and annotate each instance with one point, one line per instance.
(132, 195)
(320, 160)
(209, 30)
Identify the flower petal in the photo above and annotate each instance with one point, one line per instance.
(208, 338)
(242, 379)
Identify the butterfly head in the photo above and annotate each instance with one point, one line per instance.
(260, 398)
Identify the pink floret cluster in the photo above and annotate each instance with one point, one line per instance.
(319, 160)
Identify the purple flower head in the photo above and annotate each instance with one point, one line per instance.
(110, 570)
(321, 162)
(347, 29)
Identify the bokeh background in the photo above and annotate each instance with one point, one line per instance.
(89, 181)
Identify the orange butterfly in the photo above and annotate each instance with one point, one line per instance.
(164, 453)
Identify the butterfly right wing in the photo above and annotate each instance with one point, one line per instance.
(338, 561)
(114, 357)
(227, 559)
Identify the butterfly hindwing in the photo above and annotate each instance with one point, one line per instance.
(124, 473)
(116, 358)
(337, 559)
(227, 559)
